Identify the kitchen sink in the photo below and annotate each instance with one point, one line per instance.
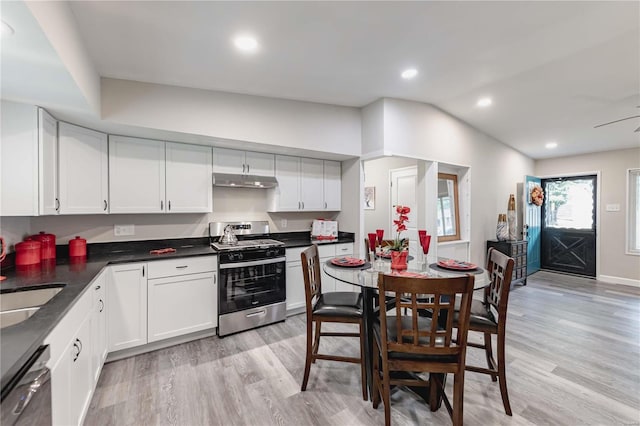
(18, 306)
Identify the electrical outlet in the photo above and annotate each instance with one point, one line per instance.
(123, 230)
(283, 223)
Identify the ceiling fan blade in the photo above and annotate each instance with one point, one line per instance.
(616, 121)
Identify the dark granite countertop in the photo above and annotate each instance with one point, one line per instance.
(21, 340)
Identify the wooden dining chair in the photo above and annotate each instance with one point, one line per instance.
(335, 307)
(414, 343)
(483, 319)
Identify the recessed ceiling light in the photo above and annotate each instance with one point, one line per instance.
(6, 29)
(246, 43)
(484, 102)
(409, 73)
(551, 145)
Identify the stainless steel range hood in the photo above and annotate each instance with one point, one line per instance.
(243, 181)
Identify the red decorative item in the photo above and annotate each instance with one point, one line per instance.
(372, 241)
(425, 241)
(78, 247)
(28, 253)
(380, 234)
(399, 260)
(48, 242)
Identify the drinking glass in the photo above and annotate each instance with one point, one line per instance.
(372, 247)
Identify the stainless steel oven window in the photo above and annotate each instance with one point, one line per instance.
(251, 284)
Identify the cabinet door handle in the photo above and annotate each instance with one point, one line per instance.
(98, 287)
(325, 204)
(182, 266)
(303, 205)
(143, 270)
(57, 204)
(244, 166)
(161, 205)
(105, 205)
(78, 346)
(101, 305)
(169, 203)
(248, 168)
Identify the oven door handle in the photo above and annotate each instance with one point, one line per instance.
(255, 314)
(252, 263)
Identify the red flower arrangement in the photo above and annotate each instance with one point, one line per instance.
(400, 244)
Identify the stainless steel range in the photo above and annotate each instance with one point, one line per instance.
(251, 276)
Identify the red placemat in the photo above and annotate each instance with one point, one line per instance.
(348, 262)
(456, 265)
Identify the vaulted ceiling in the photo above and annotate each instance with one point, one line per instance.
(554, 70)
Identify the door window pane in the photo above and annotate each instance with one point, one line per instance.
(570, 204)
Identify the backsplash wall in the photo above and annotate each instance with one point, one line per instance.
(229, 204)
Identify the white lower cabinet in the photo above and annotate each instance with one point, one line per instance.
(127, 301)
(328, 252)
(99, 324)
(295, 280)
(185, 303)
(72, 380)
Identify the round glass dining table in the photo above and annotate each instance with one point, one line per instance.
(366, 278)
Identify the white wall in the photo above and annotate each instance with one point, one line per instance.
(421, 131)
(58, 23)
(14, 229)
(269, 121)
(376, 174)
(615, 264)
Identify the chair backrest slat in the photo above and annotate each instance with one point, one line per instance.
(500, 270)
(311, 274)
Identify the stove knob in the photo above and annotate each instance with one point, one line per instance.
(240, 256)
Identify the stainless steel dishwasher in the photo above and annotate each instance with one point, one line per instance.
(26, 400)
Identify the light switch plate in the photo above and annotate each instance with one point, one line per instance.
(613, 207)
(123, 230)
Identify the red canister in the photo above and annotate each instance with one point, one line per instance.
(48, 249)
(28, 253)
(78, 247)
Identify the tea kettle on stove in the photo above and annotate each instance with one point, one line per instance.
(229, 237)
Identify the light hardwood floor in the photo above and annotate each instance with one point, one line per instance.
(573, 351)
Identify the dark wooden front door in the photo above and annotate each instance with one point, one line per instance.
(568, 235)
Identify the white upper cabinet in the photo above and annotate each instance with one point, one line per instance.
(136, 175)
(242, 162)
(311, 184)
(83, 170)
(306, 184)
(48, 153)
(188, 178)
(332, 185)
(18, 160)
(148, 176)
(260, 164)
(286, 196)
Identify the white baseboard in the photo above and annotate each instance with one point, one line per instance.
(619, 280)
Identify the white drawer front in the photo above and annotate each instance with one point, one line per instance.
(186, 265)
(328, 250)
(293, 254)
(344, 249)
